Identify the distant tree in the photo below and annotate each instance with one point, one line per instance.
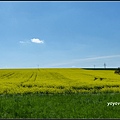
(117, 71)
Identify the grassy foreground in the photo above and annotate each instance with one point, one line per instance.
(59, 106)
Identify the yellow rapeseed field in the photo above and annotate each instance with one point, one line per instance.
(61, 80)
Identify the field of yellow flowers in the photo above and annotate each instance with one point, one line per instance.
(58, 80)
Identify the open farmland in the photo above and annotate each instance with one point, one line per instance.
(59, 93)
(59, 80)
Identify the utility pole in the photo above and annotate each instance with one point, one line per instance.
(105, 65)
(38, 67)
(94, 66)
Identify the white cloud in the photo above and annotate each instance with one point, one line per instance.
(36, 40)
(23, 42)
(73, 66)
(99, 57)
(74, 61)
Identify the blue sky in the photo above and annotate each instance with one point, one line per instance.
(59, 34)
